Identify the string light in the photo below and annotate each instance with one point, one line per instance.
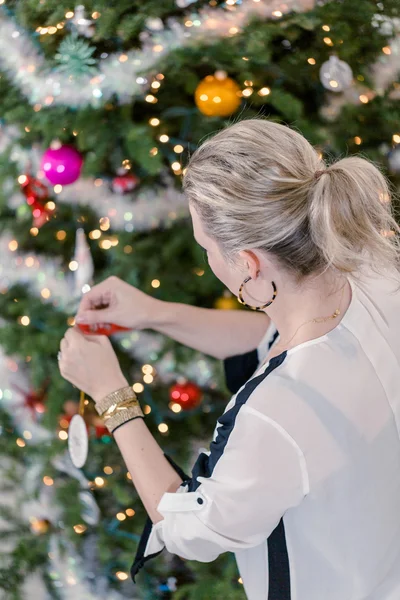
(104, 223)
(155, 85)
(80, 528)
(396, 138)
(386, 50)
(176, 408)
(34, 231)
(247, 92)
(154, 122)
(108, 470)
(69, 14)
(364, 99)
(48, 480)
(73, 265)
(123, 58)
(122, 576)
(176, 166)
(27, 435)
(148, 378)
(155, 283)
(178, 148)
(121, 516)
(128, 476)
(326, 27)
(146, 409)
(150, 98)
(45, 293)
(63, 435)
(164, 138)
(328, 41)
(20, 442)
(58, 189)
(130, 512)
(311, 61)
(163, 428)
(61, 235)
(138, 388)
(24, 320)
(99, 481)
(13, 245)
(277, 13)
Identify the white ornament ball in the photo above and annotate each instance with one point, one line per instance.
(335, 75)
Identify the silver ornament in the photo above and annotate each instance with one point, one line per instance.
(335, 75)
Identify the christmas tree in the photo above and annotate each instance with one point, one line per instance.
(100, 107)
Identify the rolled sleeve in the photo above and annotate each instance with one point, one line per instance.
(237, 494)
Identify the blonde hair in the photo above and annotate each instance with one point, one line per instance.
(257, 185)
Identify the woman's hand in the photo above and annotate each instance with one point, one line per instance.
(114, 301)
(89, 363)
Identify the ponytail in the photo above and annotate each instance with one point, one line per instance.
(351, 217)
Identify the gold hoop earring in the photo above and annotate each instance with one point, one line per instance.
(240, 296)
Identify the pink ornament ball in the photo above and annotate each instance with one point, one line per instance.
(62, 165)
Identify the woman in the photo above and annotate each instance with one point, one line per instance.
(302, 479)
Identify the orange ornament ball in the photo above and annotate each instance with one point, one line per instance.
(218, 96)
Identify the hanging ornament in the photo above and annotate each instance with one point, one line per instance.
(218, 95)
(335, 75)
(78, 439)
(394, 160)
(84, 273)
(39, 526)
(61, 164)
(82, 25)
(37, 196)
(124, 182)
(34, 400)
(227, 302)
(187, 394)
(75, 57)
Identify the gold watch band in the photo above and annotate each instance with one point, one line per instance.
(121, 395)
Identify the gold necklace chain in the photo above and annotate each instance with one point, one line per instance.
(316, 320)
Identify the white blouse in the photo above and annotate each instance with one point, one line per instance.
(302, 479)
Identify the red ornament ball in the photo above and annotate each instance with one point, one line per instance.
(125, 183)
(188, 395)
